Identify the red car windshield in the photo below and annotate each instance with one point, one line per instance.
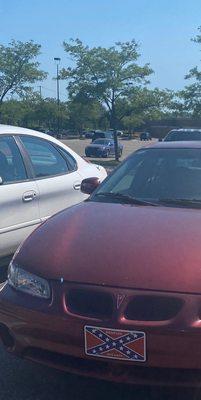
(155, 175)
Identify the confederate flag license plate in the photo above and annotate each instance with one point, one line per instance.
(115, 344)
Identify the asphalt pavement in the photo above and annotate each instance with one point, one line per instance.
(129, 146)
(23, 380)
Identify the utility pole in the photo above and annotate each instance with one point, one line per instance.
(40, 91)
(57, 59)
(114, 127)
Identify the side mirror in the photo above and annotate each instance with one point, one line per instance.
(89, 185)
(1, 180)
(160, 139)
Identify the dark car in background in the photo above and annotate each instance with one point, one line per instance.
(102, 148)
(88, 134)
(119, 133)
(145, 136)
(102, 135)
(183, 135)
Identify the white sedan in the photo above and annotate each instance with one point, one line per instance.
(39, 176)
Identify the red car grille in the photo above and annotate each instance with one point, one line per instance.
(102, 304)
(153, 308)
(90, 303)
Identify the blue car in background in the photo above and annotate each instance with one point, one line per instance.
(145, 136)
(102, 148)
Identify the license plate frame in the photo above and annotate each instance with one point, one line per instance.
(115, 344)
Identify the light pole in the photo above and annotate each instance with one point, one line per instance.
(57, 59)
(40, 91)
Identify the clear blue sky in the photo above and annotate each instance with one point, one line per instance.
(162, 27)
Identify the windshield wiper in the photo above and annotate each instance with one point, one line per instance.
(125, 198)
(181, 202)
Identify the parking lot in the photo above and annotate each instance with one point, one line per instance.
(78, 145)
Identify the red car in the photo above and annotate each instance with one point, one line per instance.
(111, 288)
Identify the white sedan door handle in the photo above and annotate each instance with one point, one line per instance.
(77, 186)
(29, 196)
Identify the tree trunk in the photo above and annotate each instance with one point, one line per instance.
(113, 126)
(0, 112)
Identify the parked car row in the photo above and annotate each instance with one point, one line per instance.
(98, 134)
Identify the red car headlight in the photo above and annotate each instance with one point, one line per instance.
(26, 282)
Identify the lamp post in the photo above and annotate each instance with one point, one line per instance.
(57, 59)
(40, 91)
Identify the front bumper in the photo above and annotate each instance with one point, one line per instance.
(95, 152)
(46, 332)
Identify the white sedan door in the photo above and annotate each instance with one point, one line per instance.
(56, 176)
(19, 210)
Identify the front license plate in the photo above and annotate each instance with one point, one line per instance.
(115, 344)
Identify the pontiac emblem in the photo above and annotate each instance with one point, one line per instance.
(120, 299)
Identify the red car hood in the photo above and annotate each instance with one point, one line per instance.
(155, 248)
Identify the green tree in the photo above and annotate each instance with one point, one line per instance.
(13, 112)
(189, 99)
(46, 114)
(18, 68)
(105, 74)
(85, 113)
(142, 105)
(34, 112)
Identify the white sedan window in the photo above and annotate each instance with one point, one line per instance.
(12, 168)
(45, 158)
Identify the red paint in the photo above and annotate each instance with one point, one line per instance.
(155, 247)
